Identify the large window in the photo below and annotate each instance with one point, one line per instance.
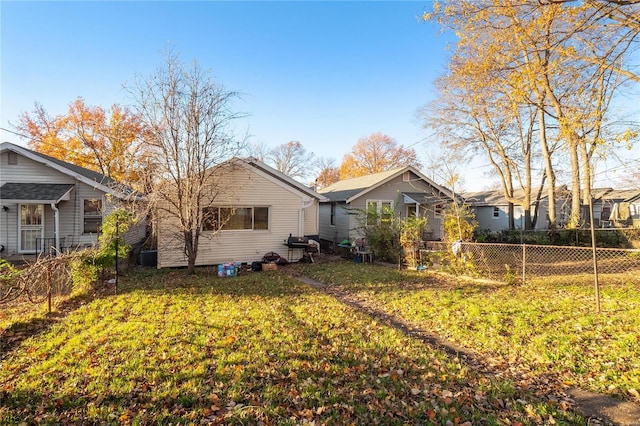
(234, 218)
(92, 216)
(379, 211)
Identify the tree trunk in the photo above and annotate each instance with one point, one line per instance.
(548, 166)
(576, 205)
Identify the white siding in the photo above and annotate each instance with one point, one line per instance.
(245, 187)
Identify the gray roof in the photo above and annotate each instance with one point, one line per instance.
(90, 174)
(44, 192)
(426, 198)
(347, 188)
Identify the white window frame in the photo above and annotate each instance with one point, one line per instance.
(333, 207)
(379, 204)
(496, 212)
(101, 199)
(438, 210)
(20, 241)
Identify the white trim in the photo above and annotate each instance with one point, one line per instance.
(20, 250)
(412, 169)
(29, 154)
(102, 208)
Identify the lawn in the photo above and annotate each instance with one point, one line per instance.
(260, 348)
(547, 329)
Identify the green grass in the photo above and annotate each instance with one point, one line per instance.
(259, 348)
(546, 328)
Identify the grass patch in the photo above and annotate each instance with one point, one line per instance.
(546, 328)
(256, 348)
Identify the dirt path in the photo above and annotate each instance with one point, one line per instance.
(599, 409)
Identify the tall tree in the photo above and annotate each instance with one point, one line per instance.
(537, 49)
(376, 153)
(189, 116)
(109, 142)
(291, 159)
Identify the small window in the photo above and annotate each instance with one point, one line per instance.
(496, 212)
(438, 209)
(412, 210)
(406, 177)
(12, 158)
(333, 214)
(92, 216)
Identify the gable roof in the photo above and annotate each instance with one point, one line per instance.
(280, 178)
(90, 177)
(348, 190)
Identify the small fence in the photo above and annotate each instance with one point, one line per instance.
(523, 262)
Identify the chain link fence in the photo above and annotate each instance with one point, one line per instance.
(521, 262)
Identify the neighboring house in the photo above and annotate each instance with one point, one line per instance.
(610, 208)
(47, 204)
(491, 209)
(617, 208)
(263, 208)
(404, 190)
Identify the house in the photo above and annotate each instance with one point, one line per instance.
(406, 191)
(617, 208)
(47, 204)
(263, 208)
(610, 208)
(491, 209)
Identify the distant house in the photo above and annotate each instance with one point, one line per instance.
(492, 210)
(263, 208)
(48, 204)
(617, 208)
(405, 190)
(610, 208)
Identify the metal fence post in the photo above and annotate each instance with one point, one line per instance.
(524, 263)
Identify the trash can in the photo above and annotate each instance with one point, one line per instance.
(149, 258)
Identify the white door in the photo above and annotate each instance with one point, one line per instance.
(31, 227)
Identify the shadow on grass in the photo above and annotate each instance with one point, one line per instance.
(18, 332)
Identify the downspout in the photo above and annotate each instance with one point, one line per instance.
(56, 225)
(301, 217)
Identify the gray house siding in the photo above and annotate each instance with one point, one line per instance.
(71, 211)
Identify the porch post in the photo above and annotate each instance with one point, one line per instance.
(56, 225)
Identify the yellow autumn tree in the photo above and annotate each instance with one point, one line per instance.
(376, 153)
(109, 142)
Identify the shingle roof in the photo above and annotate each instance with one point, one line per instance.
(45, 192)
(347, 188)
(90, 174)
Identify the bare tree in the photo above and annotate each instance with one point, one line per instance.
(259, 151)
(291, 159)
(327, 172)
(189, 116)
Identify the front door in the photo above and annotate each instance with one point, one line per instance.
(31, 227)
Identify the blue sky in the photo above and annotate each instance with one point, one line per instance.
(323, 73)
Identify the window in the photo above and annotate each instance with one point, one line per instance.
(235, 218)
(379, 211)
(412, 210)
(496, 212)
(406, 177)
(333, 214)
(92, 216)
(438, 209)
(12, 158)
